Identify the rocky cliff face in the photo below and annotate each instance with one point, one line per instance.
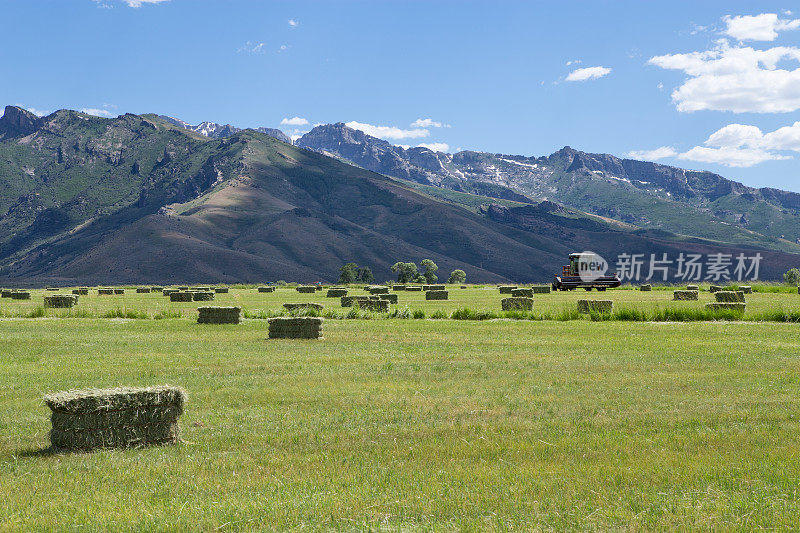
(18, 122)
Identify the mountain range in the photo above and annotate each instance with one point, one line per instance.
(147, 199)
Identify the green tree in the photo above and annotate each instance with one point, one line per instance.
(430, 270)
(457, 276)
(792, 277)
(364, 275)
(348, 273)
(406, 272)
(420, 279)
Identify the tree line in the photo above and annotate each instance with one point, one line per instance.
(407, 272)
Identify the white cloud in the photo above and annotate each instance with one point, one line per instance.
(251, 47)
(574, 62)
(294, 121)
(140, 3)
(735, 78)
(293, 23)
(283, 48)
(96, 112)
(388, 132)
(653, 155)
(763, 27)
(588, 73)
(428, 123)
(37, 112)
(436, 147)
(740, 145)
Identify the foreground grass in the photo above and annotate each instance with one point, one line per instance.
(415, 424)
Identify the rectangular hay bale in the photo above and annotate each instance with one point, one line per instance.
(83, 291)
(221, 290)
(522, 293)
(295, 328)
(336, 292)
(436, 295)
(379, 290)
(597, 306)
(306, 289)
(517, 303)
(60, 301)
(266, 289)
(685, 295)
(115, 418)
(181, 296)
(506, 289)
(391, 298)
(219, 315)
(413, 288)
(646, 287)
(143, 290)
(541, 289)
(746, 289)
(304, 305)
(729, 296)
(20, 295)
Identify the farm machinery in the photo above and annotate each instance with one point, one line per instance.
(585, 271)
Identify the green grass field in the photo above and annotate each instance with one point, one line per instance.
(413, 424)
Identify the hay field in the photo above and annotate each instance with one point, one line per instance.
(414, 424)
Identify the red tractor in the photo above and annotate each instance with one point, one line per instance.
(571, 277)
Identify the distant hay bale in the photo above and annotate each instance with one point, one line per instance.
(143, 290)
(336, 292)
(184, 288)
(202, 296)
(731, 306)
(433, 288)
(52, 289)
(692, 287)
(436, 295)
(597, 306)
(318, 287)
(115, 418)
(60, 301)
(685, 295)
(506, 289)
(413, 288)
(379, 290)
(522, 293)
(157, 289)
(463, 286)
(167, 292)
(6, 293)
(266, 289)
(646, 288)
(729, 296)
(305, 305)
(295, 328)
(398, 287)
(391, 298)
(541, 289)
(746, 289)
(221, 290)
(119, 291)
(82, 291)
(20, 295)
(374, 304)
(105, 291)
(219, 315)
(715, 288)
(181, 296)
(348, 301)
(517, 303)
(306, 289)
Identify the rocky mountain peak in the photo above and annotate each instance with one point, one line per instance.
(18, 122)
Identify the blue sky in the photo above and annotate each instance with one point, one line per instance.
(703, 85)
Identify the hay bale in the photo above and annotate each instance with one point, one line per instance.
(167, 292)
(506, 289)
(541, 289)
(51, 289)
(336, 292)
(83, 291)
(433, 288)
(693, 288)
(221, 290)
(715, 288)
(463, 286)
(119, 291)
(391, 298)
(181, 296)
(646, 288)
(202, 296)
(729, 296)
(184, 288)
(436, 295)
(685, 295)
(295, 328)
(306, 289)
(379, 290)
(60, 301)
(306, 305)
(731, 306)
(6, 293)
(374, 304)
(266, 289)
(398, 287)
(413, 289)
(105, 291)
(517, 303)
(157, 289)
(219, 315)
(319, 287)
(746, 289)
(115, 418)
(522, 293)
(20, 295)
(143, 290)
(597, 306)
